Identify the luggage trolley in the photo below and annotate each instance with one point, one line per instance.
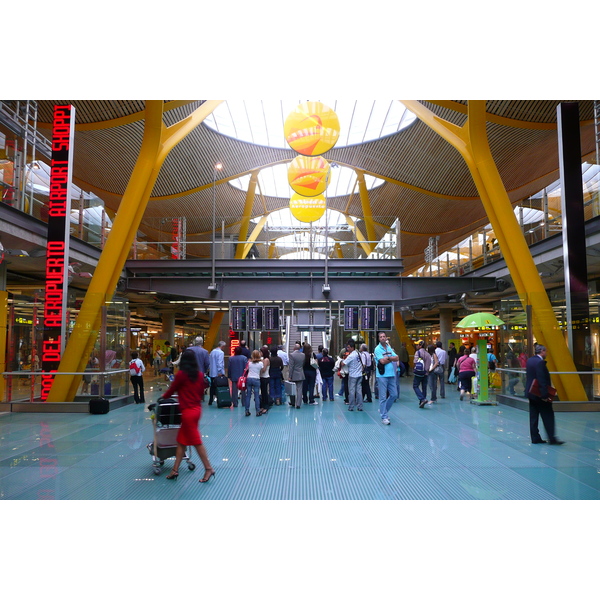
(166, 422)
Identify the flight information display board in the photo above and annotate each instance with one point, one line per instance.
(384, 317)
(254, 318)
(367, 318)
(238, 318)
(351, 318)
(270, 318)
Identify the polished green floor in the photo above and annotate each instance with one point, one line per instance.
(448, 451)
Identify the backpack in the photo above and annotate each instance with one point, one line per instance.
(133, 366)
(419, 366)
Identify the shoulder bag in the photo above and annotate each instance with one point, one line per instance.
(242, 382)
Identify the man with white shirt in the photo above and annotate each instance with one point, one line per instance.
(217, 368)
(355, 370)
(438, 372)
(283, 355)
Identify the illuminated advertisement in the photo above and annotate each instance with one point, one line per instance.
(57, 249)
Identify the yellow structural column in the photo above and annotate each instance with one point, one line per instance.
(403, 334)
(241, 251)
(255, 233)
(471, 141)
(157, 142)
(359, 236)
(211, 336)
(366, 208)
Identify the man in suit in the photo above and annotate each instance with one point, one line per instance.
(296, 372)
(540, 405)
(245, 350)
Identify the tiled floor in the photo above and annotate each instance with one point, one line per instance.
(450, 450)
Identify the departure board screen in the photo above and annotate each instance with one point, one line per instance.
(238, 318)
(255, 318)
(351, 318)
(384, 318)
(270, 318)
(367, 318)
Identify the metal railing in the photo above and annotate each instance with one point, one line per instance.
(513, 381)
(25, 386)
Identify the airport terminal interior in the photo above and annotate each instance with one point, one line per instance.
(137, 226)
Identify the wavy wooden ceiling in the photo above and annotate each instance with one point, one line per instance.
(522, 137)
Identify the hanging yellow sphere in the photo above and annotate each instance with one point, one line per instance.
(309, 175)
(312, 129)
(307, 210)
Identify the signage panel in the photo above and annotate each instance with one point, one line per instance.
(351, 318)
(255, 318)
(238, 318)
(270, 318)
(57, 248)
(367, 318)
(384, 317)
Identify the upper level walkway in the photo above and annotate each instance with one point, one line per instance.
(450, 450)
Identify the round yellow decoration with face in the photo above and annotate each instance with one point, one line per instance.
(307, 210)
(309, 175)
(312, 129)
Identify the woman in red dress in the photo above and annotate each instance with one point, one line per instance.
(189, 384)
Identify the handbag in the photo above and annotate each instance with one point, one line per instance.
(452, 377)
(313, 362)
(242, 382)
(439, 370)
(494, 380)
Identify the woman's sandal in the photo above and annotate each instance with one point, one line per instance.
(205, 479)
(173, 474)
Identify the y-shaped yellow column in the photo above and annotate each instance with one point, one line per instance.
(472, 143)
(157, 142)
(211, 336)
(366, 208)
(241, 251)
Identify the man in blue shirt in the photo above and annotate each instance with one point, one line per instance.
(386, 382)
(217, 368)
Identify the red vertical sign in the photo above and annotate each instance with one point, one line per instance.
(57, 250)
(176, 238)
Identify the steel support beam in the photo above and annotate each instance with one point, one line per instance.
(573, 235)
(301, 286)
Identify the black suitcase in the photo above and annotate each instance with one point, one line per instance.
(223, 397)
(221, 381)
(99, 406)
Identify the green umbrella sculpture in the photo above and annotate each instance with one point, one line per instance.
(481, 320)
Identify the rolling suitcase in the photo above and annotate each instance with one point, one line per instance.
(99, 406)
(290, 390)
(223, 397)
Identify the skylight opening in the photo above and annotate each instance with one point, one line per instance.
(273, 181)
(261, 121)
